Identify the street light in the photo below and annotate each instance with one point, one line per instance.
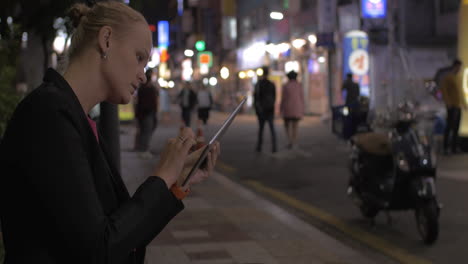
(298, 43)
(171, 84)
(213, 81)
(242, 75)
(224, 73)
(188, 53)
(260, 72)
(250, 73)
(312, 39)
(276, 15)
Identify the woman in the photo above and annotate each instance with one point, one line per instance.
(292, 107)
(62, 199)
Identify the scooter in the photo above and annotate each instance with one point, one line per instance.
(396, 170)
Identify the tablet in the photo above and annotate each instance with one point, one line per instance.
(216, 137)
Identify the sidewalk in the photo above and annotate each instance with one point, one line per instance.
(225, 223)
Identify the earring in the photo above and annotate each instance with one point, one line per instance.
(104, 55)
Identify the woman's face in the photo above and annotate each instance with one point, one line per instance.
(124, 70)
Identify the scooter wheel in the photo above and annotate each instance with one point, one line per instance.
(368, 211)
(427, 219)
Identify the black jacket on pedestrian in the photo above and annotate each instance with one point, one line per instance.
(61, 198)
(265, 98)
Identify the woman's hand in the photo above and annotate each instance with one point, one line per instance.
(174, 156)
(203, 173)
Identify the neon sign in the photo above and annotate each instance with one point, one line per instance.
(374, 8)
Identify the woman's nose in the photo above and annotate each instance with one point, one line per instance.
(142, 78)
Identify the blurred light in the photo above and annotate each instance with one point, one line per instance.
(204, 69)
(254, 51)
(59, 43)
(189, 53)
(205, 81)
(242, 75)
(345, 111)
(321, 59)
(312, 39)
(152, 28)
(155, 59)
(127, 2)
(276, 15)
(298, 43)
(260, 72)
(250, 73)
(224, 73)
(24, 40)
(9, 20)
(200, 45)
(171, 84)
(187, 70)
(213, 81)
(163, 83)
(291, 66)
(284, 47)
(180, 7)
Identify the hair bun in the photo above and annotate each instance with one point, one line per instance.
(76, 12)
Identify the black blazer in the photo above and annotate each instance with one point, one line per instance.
(61, 198)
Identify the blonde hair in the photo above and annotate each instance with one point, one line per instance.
(87, 22)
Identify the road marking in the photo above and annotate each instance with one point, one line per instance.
(224, 167)
(358, 234)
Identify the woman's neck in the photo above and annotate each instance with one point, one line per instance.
(84, 79)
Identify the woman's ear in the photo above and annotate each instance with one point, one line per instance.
(104, 39)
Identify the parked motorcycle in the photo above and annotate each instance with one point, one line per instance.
(396, 170)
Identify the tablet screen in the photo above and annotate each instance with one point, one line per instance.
(219, 134)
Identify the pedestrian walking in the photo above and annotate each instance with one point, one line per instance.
(452, 96)
(352, 91)
(62, 199)
(187, 100)
(146, 114)
(439, 77)
(264, 104)
(204, 102)
(292, 108)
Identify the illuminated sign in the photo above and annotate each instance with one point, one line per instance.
(356, 59)
(205, 58)
(374, 8)
(163, 34)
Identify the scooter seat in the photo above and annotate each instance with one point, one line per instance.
(373, 143)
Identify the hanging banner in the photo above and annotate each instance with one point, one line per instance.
(356, 59)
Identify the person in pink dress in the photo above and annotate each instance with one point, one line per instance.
(292, 107)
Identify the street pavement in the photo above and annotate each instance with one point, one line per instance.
(310, 183)
(224, 222)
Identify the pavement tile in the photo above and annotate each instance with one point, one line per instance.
(299, 249)
(196, 203)
(249, 252)
(244, 215)
(210, 255)
(166, 255)
(190, 234)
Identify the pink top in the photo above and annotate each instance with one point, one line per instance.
(292, 100)
(93, 127)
